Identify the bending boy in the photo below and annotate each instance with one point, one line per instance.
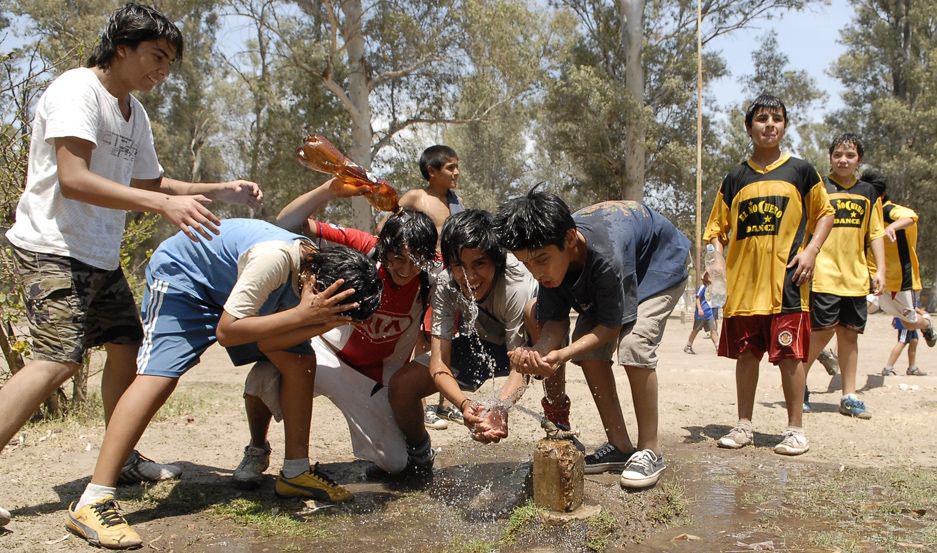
(622, 267)
(91, 159)
(482, 309)
(254, 281)
(355, 363)
(764, 213)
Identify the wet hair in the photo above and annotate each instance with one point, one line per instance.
(535, 220)
(764, 102)
(435, 157)
(847, 138)
(331, 263)
(411, 229)
(472, 229)
(131, 25)
(876, 177)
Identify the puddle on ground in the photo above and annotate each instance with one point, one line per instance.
(707, 501)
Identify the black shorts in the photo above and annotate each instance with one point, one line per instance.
(477, 361)
(829, 310)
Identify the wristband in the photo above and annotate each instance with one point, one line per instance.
(462, 404)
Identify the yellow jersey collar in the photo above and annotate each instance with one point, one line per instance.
(780, 161)
(833, 178)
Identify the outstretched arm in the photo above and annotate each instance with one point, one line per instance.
(293, 217)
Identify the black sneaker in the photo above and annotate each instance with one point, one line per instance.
(607, 458)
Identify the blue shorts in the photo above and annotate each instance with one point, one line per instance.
(178, 327)
(906, 336)
(473, 361)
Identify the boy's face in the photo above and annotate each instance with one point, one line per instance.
(549, 264)
(147, 65)
(474, 272)
(767, 130)
(401, 267)
(446, 176)
(845, 160)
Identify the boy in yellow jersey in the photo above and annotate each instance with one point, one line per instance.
(902, 272)
(841, 281)
(764, 213)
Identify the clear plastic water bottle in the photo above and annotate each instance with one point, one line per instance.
(716, 291)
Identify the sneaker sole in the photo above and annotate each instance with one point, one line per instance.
(91, 536)
(791, 452)
(605, 467)
(861, 416)
(638, 483)
(731, 445)
(437, 425)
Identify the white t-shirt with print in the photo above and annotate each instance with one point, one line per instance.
(76, 104)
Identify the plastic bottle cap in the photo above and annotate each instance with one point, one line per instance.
(710, 248)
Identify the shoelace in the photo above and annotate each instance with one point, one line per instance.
(604, 450)
(107, 512)
(643, 459)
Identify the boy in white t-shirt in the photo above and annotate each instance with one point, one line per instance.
(91, 159)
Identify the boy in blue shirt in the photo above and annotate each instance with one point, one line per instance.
(255, 282)
(703, 319)
(622, 267)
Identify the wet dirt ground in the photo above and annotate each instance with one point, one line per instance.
(864, 486)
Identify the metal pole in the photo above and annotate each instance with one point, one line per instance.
(699, 139)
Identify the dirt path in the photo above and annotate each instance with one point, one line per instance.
(204, 429)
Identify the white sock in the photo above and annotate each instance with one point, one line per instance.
(92, 493)
(294, 467)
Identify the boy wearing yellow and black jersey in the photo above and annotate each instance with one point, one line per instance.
(765, 211)
(841, 282)
(902, 272)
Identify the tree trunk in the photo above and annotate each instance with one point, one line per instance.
(632, 41)
(358, 91)
(13, 358)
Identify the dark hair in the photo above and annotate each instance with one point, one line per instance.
(876, 177)
(847, 138)
(473, 229)
(131, 25)
(333, 262)
(764, 102)
(435, 157)
(532, 221)
(411, 229)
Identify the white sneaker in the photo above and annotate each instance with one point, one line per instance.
(431, 419)
(794, 443)
(250, 471)
(643, 470)
(139, 469)
(737, 438)
(4, 517)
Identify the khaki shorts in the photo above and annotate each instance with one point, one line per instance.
(72, 306)
(637, 342)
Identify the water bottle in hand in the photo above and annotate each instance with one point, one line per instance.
(716, 291)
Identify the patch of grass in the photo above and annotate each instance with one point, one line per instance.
(674, 504)
(598, 529)
(520, 522)
(269, 521)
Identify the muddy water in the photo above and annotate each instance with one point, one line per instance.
(733, 501)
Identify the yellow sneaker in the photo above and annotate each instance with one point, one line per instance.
(312, 483)
(101, 524)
